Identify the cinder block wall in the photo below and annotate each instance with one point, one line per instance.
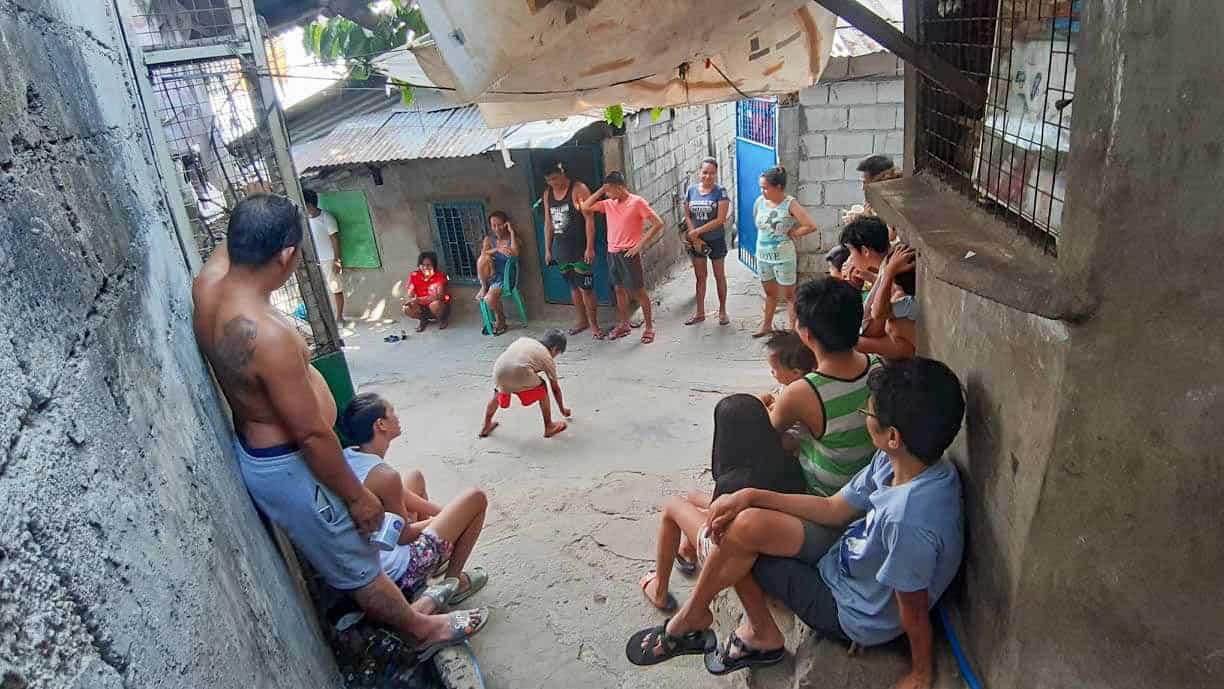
(662, 158)
(844, 119)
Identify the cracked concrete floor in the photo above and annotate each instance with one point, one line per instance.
(572, 520)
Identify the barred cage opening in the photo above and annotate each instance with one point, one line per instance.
(1012, 154)
(186, 23)
(756, 119)
(216, 126)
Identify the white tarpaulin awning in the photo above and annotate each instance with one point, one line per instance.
(563, 59)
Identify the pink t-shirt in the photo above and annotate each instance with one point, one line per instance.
(625, 219)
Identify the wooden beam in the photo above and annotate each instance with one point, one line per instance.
(923, 59)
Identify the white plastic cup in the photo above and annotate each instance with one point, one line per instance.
(386, 537)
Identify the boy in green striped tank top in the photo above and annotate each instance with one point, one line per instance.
(829, 313)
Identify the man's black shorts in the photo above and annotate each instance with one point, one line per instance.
(577, 280)
(796, 581)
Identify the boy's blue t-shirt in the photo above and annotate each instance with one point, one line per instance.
(704, 208)
(911, 539)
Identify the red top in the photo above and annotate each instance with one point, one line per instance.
(421, 287)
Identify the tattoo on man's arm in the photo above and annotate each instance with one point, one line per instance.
(235, 350)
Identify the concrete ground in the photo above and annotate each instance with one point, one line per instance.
(573, 519)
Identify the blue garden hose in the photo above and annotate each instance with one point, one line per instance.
(961, 660)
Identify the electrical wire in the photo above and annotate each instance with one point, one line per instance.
(726, 79)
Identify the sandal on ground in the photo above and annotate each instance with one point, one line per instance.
(670, 605)
(391, 338)
(575, 331)
(421, 327)
(648, 336)
(598, 334)
(477, 578)
(686, 566)
(464, 625)
(694, 320)
(640, 650)
(724, 320)
(499, 329)
(440, 593)
(720, 662)
(618, 332)
(444, 324)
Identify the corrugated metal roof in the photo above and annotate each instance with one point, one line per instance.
(850, 42)
(396, 135)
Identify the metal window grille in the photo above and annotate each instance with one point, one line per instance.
(1012, 154)
(756, 120)
(187, 23)
(214, 119)
(459, 227)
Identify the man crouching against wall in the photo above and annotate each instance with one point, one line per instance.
(290, 458)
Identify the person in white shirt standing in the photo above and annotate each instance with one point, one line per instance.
(326, 234)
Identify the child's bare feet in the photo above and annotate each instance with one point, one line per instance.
(554, 429)
(484, 432)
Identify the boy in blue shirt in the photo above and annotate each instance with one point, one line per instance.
(865, 565)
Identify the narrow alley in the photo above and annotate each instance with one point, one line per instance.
(573, 519)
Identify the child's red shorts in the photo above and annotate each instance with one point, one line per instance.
(526, 397)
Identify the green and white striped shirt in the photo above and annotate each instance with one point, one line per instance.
(830, 461)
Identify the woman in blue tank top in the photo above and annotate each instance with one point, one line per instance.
(780, 220)
(499, 245)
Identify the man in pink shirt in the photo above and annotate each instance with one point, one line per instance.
(627, 237)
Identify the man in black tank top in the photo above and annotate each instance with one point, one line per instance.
(569, 243)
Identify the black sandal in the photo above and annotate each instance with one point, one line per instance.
(720, 662)
(640, 650)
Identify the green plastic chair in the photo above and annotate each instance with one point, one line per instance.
(510, 290)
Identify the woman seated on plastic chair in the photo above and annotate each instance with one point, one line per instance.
(499, 246)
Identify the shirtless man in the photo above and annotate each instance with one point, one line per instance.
(290, 458)
(569, 240)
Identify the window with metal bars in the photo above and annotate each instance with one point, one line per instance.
(459, 227)
(1011, 154)
(756, 119)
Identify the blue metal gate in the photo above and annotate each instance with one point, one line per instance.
(756, 137)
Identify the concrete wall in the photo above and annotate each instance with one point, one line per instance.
(662, 159)
(1092, 446)
(401, 213)
(855, 111)
(130, 554)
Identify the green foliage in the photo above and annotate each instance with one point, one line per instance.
(655, 114)
(615, 115)
(339, 38)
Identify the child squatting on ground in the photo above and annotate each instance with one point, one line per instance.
(517, 372)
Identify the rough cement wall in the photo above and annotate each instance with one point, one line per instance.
(844, 119)
(1122, 587)
(130, 554)
(1011, 364)
(1112, 552)
(401, 213)
(662, 159)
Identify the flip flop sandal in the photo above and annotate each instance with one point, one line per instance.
(670, 606)
(686, 566)
(618, 332)
(693, 320)
(477, 578)
(575, 331)
(640, 647)
(441, 592)
(464, 625)
(648, 337)
(391, 338)
(724, 321)
(598, 334)
(719, 662)
(499, 330)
